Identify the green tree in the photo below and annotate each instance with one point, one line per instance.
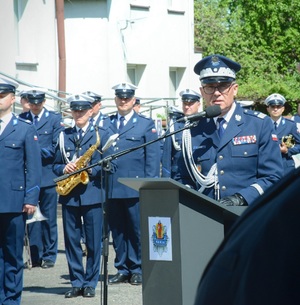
(264, 36)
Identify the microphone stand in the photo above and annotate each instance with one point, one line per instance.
(106, 165)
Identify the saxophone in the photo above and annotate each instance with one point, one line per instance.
(288, 140)
(64, 187)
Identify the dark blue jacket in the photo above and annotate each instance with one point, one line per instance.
(140, 163)
(285, 128)
(247, 157)
(92, 192)
(258, 261)
(48, 129)
(19, 146)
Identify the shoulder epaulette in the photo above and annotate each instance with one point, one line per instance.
(254, 113)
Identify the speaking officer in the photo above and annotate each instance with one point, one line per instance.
(124, 216)
(97, 116)
(43, 235)
(78, 147)
(286, 130)
(234, 158)
(21, 174)
(172, 144)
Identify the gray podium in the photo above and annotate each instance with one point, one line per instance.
(197, 226)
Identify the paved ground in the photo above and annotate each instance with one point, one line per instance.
(47, 286)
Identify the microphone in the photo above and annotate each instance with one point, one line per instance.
(209, 112)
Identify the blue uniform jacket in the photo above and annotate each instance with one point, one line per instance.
(248, 158)
(82, 194)
(19, 145)
(48, 129)
(170, 154)
(141, 163)
(285, 128)
(258, 261)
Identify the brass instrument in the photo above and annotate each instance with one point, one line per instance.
(64, 187)
(27, 249)
(288, 141)
(37, 216)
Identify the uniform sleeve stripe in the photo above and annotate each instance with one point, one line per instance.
(258, 188)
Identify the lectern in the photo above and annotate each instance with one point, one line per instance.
(180, 231)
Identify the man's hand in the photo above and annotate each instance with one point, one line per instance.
(29, 209)
(235, 199)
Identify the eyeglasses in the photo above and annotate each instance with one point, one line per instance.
(222, 88)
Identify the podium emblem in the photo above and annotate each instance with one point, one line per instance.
(160, 238)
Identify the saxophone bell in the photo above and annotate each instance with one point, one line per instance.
(288, 141)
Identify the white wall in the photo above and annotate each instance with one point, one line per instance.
(102, 39)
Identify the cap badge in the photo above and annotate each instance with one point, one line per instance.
(215, 60)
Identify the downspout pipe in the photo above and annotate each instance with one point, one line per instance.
(59, 4)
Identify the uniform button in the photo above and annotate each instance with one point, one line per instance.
(80, 148)
(221, 172)
(221, 157)
(245, 153)
(21, 187)
(14, 145)
(223, 188)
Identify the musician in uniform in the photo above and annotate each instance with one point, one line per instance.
(172, 144)
(288, 131)
(81, 196)
(43, 235)
(124, 215)
(233, 158)
(97, 116)
(19, 191)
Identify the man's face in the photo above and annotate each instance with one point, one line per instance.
(189, 107)
(275, 111)
(6, 101)
(124, 105)
(219, 94)
(25, 104)
(81, 117)
(37, 108)
(96, 106)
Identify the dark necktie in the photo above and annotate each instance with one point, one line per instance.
(35, 120)
(121, 123)
(80, 134)
(0, 125)
(221, 129)
(92, 121)
(275, 125)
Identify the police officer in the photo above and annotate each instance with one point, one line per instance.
(19, 191)
(296, 117)
(97, 116)
(137, 105)
(24, 101)
(78, 147)
(286, 130)
(233, 158)
(43, 235)
(124, 216)
(172, 144)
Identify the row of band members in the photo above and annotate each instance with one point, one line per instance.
(233, 158)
